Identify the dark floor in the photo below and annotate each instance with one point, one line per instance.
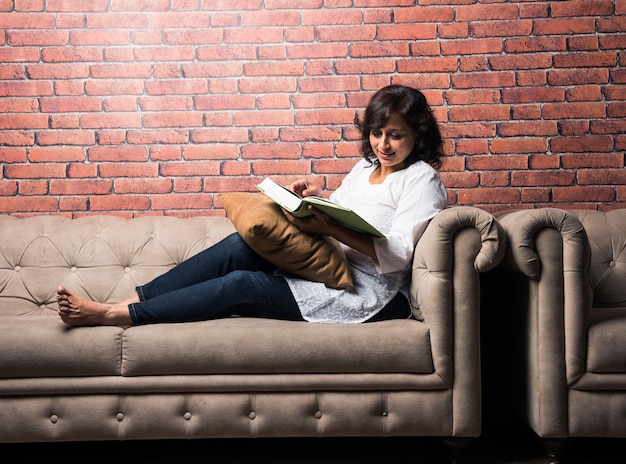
(515, 446)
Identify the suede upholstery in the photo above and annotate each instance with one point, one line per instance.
(563, 287)
(263, 226)
(235, 377)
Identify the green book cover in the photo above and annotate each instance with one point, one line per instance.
(298, 207)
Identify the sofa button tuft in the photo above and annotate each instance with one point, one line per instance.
(17, 268)
(187, 415)
(612, 264)
(127, 269)
(318, 414)
(73, 269)
(251, 415)
(385, 413)
(119, 417)
(54, 418)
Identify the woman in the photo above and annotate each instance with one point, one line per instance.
(395, 187)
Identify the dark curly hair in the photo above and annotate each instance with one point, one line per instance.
(411, 105)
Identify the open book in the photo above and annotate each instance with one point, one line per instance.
(298, 206)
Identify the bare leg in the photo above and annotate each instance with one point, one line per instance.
(75, 310)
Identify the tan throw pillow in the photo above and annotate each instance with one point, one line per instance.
(263, 226)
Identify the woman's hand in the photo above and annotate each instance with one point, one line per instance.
(321, 223)
(305, 188)
(317, 223)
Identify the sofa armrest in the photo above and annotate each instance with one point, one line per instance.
(548, 295)
(458, 244)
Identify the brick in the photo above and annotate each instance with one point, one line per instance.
(172, 119)
(110, 120)
(602, 177)
(585, 60)
(492, 195)
(500, 28)
(230, 184)
(119, 203)
(70, 104)
(211, 151)
(80, 187)
(592, 160)
(471, 46)
(533, 95)
(119, 71)
(117, 104)
(143, 185)
(12, 155)
(536, 195)
(519, 145)
(524, 128)
(582, 144)
(569, 26)
(282, 167)
(65, 137)
(34, 171)
(33, 187)
(25, 204)
(128, 169)
(17, 138)
(472, 147)
(23, 38)
(271, 151)
(479, 113)
(483, 80)
(586, 193)
(581, 7)
(190, 168)
(526, 61)
(55, 154)
(496, 163)
(535, 44)
(495, 179)
(539, 178)
(544, 161)
(574, 110)
(185, 185)
(461, 179)
(23, 121)
(123, 153)
(150, 137)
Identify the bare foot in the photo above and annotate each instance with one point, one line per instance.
(75, 310)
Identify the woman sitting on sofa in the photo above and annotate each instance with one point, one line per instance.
(396, 187)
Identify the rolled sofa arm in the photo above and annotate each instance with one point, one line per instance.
(521, 228)
(549, 295)
(459, 243)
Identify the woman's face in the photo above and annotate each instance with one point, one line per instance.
(393, 143)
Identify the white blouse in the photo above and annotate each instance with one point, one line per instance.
(400, 207)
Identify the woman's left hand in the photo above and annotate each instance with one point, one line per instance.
(318, 223)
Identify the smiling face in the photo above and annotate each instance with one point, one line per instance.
(392, 144)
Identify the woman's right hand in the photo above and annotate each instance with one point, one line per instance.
(305, 188)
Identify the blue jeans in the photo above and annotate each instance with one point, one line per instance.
(226, 279)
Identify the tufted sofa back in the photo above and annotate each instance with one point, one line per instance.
(606, 232)
(103, 257)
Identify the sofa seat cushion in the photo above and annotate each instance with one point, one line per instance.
(249, 345)
(607, 341)
(43, 346)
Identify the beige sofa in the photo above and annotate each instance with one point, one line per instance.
(560, 309)
(235, 377)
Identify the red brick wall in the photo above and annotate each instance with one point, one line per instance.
(137, 107)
